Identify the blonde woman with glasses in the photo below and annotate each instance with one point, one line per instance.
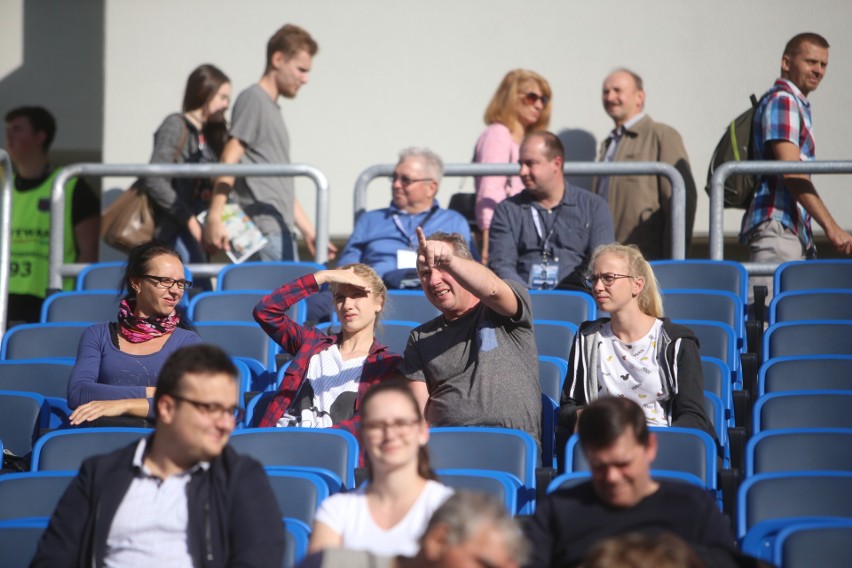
(635, 353)
(388, 513)
(521, 105)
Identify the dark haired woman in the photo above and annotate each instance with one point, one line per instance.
(388, 514)
(185, 138)
(118, 362)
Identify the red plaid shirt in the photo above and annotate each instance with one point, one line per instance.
(304, 343)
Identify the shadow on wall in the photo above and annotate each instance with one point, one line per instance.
(580, 146)
(62, 70)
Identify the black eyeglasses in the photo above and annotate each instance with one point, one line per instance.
(166, 282)
(212, 409)
(532, 98)
(405, 181)
(608, 278)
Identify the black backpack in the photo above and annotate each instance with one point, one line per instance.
(736, 145)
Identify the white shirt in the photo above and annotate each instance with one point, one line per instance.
(631, 370)
(349, 516)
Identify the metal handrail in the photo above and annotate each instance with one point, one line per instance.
(5, 238)
(755, 167)
(57, 203)
(677, 219)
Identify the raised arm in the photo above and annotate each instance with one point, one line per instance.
(471, 275)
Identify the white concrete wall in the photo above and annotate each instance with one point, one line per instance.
(395, 73)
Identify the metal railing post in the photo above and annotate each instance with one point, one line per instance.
(677, 219)
(57, 199)
(5, 238)
(755, 167)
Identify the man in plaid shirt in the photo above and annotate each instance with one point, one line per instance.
(777, 225)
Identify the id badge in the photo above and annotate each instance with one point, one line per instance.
(406, 258)
(543, 276)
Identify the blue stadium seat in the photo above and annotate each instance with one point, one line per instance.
(332, 481)
(803, 409)
(32, 494)
(235, 306)
(818, 304)
(327, 448)
(22, 417)
(552, 372)
(500, 449)
(829, 372)
(707, 305)
(409, 305)
(500, 484)
(819, 543)
(39, 340)
(719, 380)
(65, 450)
(549, 417)
(811, 337)
(554, 338)
(811, 274)
(89, 306)
(240, 339)
(262, 275)
(298, 493)
(725, 275)
(19, 540)
(47, 377)
(296, 538)
(563, 305)
(575, 478)
(394, 334)
(810, 449)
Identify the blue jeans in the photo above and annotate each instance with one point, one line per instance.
(281, 246)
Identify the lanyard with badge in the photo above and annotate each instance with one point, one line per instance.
(407, 258)
(544, 275)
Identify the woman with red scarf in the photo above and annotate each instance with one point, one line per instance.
(118, 362)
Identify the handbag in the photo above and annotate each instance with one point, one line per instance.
(129, 220)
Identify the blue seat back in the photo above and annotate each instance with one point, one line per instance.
(22, 417)
(575, 478)
(811, 274)
(825, 543)
(811, 449)
(773, 496)
(554, 338)
(332, 449)
(679, 449)
(47, 377)
(19, 540)
(811, 337)
(263, 275)
(563, 305)
(719, 381)
(799, 372)
(409, 305)
(500, 449)
(89, 306)
(497, 483)
(296, 537)
(394, 334)
(298, 493)
(65, 450)
(235, 306)
(240, 339)
(551, 375)
(725, 275)
(40, 340)
(803, 409)
(32, 494)
(715, 339)
(819, 304)
(710, 305)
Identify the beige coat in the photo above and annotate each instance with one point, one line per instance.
(640, 205)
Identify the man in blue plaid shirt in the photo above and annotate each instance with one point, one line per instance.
(777, 225)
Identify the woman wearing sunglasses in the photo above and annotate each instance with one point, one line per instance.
(635, 353)
(387, 514)
(521, 105)
(118, 362)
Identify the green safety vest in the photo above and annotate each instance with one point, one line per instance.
(30, 238)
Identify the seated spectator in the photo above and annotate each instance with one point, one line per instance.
(634, 353)
(29, 134)
(622, 497)
(326, 381)
(183, 138)
(470, 529)
(639, 551)
(544, 236)
(477, 363)
(388, 514)
(520, 105)
(385, 239)
(118, 363)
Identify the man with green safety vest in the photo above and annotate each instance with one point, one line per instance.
(29, 134)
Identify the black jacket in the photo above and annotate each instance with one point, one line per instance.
(234, 518)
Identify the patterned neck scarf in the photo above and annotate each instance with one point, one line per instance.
(137, 330)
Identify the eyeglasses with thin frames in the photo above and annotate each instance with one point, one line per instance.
(400, 425)
(166, 282)
(212, 409)
(608, 278)
(405, 181)
(532, 98)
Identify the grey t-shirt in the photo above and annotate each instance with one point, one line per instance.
(257, 122)
(481, 369)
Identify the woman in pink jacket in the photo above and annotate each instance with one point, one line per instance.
(521, 105)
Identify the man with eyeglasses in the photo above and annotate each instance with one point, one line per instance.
(180, 497)
(544, 236)
(641, 205)
(386, 239)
